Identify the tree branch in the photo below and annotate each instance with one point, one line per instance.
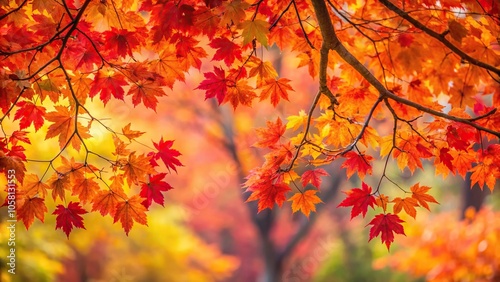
(331, 41)
(439, 37)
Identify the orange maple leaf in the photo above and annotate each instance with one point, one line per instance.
(241, 93)
(64, 127)
(85, 188)
(59, 183)
(268, 137)
(276, 89)
(32, 186)
(32, 207)
(306, 202)
(105, 201)
(131, 134)
(136, 168)
(420, 194)
(408, 204)
(128, 211)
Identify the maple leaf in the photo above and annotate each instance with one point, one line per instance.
(268, 137)
(241, 93)
(387, 224)
(85, 188)
(32, 186)
(446, 158)
(19, 136)
(214, 84)
(295, 122)
(359, 199)
(457, 31)
(226, 50)
(32, 207)
(269, 195)
(136, 168)
(484, 174)
(264, 71)
(63, 125)
(131, 134)
(146, 91)
(59, 183)
(313, 177)
(128, 211)
(29, 113)
(12, 162)
(67, 217)
(382, 201)
(459, 137)
(105, 201)
(405, 39)
(234, 12)
(120, 43)
(408, 204)
(168, 66)
(167, 155)
(357, 163)
(151, 191)
(306, 202)
(257, 29)
(108, 84)
(420, 194)
(276, 89)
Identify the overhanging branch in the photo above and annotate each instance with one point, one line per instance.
(439, 37)
(331, 41)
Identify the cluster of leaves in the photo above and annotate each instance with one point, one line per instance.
(64, 53)
(442, 249)
(414, 90)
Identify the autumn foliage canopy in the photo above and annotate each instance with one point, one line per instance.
(428, 70)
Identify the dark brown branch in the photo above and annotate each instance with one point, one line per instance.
(439, 37)
(13, 10)
(301, 26)
(331, 41)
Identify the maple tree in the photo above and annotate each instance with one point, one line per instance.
(431, 69)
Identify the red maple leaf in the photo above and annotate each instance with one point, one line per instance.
(19, 136)
(313, 177)
(152, 190)
(67, 217)
(166, 154)
(29, 113)
(387, 224)
(214, 84)
(446, 158)
(460, 136)
(226, 50)
(405, 39)
(359, 199)
(120, 43)
(269, 195)
(107, 85)
(271, 135)
(357, 163)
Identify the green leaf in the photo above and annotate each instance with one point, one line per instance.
(255, 29)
